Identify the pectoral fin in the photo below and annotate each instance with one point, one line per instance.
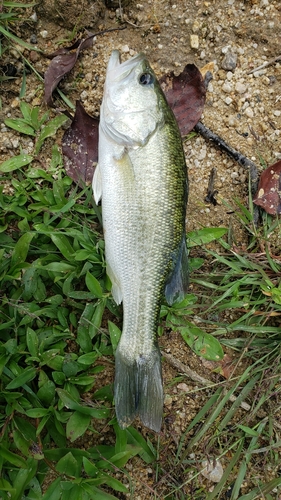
(97, 185)
(177, 283)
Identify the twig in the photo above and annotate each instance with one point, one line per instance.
(185, 369)
(235, 155)
(264, 65)
(197, 378)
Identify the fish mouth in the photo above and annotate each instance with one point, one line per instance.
(116, 70)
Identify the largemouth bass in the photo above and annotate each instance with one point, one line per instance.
(142, 180)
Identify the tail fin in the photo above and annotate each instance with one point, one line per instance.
(138, 389)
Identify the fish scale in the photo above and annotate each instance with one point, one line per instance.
(142, 181)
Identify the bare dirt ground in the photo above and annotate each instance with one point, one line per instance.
(243, 108)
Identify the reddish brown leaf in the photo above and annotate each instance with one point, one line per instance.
(268, 195)
(186, 96)
(66, 50)
(61, 64)
(80, 146)
(224, 367)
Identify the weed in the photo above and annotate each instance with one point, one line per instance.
(9, 15)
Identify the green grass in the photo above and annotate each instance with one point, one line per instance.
(54, 293)
(59, 328)
(10, 16)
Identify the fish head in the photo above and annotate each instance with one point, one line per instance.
(132, 107)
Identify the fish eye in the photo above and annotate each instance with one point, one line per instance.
(146, 79)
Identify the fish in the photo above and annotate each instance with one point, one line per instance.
(141, 180)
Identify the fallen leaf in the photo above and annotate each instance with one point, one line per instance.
(183, 387)
(268, 195)
(63, 61)
(208, 68)
(224, 367)
(212, 470)
(80, 146)
(186, 96)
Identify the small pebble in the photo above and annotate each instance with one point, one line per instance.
(228, 100)
(33, 38)
(44, 33)
(15, 143)
(277, 112)
(240, 88)
(229, 61)
(34, 56)
(15, 103)
(33, 17)
(225, 49)
(168, 400)
(83, 95)
(249, 112)
(195, 27)
(125, 49)
(227, 88)
(194, 41)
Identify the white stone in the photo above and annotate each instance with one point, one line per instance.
(195, 26)
(225, 49)
(240, 88)
(228, 100)
(125, 49)
(227, 88)
(249, 112)
(33, 17)
(202, 154)
(194, 41)
(84, 95)
(44, 33)
(277, 112)
(15, 143)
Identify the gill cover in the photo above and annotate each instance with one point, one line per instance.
(130, 111)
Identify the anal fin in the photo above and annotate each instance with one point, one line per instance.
(177, 283)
